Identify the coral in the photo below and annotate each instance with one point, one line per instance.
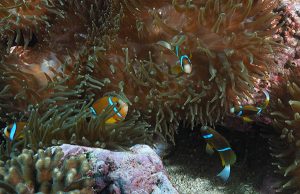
(289, 35)
(138, 170)
(45, 172)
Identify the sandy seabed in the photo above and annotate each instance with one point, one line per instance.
(193, 171)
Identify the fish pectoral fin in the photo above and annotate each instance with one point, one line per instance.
(223, 161)
(176, 69)
(209, 149)
(224, 174)
(247, 119)
(165, 44)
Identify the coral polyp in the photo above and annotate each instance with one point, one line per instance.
(45, 172)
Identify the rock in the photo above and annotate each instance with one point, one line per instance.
(137, 171)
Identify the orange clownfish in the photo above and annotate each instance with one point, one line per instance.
(13, 131)
(119, 107)
(246, 111)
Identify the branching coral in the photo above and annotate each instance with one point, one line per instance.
(45, 172)
(286, 140)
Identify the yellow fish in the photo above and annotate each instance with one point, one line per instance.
(120, 108)
(13, 131)
(246, 111)
(216, 141)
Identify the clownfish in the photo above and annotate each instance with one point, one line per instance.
(13, 131)
(216, 141)
(246, 111)
(119, 107)
(184, 61)
(183, 64)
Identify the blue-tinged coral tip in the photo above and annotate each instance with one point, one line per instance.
(93, 111)
(208, 136)
(224, 174)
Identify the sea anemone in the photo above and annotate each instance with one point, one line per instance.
(64, 117)
(45, 172)
(22, 21)
(285, 110)
(115, 48)
(230, 44)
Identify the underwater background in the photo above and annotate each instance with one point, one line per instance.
(211, 85)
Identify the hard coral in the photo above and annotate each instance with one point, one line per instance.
(45, 172)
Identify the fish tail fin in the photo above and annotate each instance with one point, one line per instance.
(225, 173)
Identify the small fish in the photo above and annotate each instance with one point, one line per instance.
(247, 111)
(184, 61)
(216, 141)
(13, 131)
(120, 108)
(183, 64)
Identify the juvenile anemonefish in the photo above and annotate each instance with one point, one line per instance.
(216, 141)
(184, 61)
(246, 111)
(184, 64)
(13, 131)
(119, 107)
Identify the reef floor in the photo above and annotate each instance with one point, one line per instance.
(193, 171)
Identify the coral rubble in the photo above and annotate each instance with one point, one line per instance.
(139, 170)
